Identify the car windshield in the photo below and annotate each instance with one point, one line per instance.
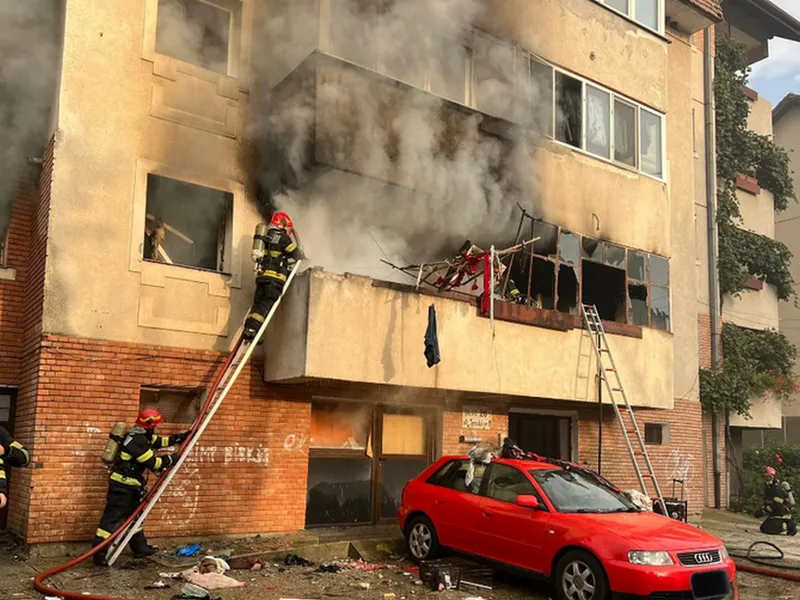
(574, 492)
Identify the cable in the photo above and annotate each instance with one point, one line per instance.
(39, 584)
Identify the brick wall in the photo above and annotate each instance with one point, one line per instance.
(452, 429)
(241, 478)
(681, 458)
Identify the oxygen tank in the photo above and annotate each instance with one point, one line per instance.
(259, 245)
(114, 440)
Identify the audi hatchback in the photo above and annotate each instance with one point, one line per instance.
(563, 524)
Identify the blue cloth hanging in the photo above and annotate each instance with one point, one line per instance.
(432, 339)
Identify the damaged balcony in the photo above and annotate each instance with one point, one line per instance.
(356, 329)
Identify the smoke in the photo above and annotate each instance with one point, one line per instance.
(432, 179)
(28, 63)
(195, 32)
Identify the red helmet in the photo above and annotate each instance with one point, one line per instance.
(282, 220)
(149, 418)
(770, 471)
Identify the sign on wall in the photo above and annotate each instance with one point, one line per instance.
(476, 417)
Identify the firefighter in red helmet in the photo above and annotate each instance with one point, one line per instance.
(128, 479)
(12, 454)
(274, 252)
(779, 505)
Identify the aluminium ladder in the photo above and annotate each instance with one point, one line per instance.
(243, 353)
(619, 400)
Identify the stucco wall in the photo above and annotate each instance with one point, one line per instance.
(379, 339)
(765, 413)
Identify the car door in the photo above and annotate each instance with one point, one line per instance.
(509, 533)
(456, 507)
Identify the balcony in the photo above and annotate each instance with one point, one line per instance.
(355, 329)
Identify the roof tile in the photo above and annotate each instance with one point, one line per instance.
(710, 7)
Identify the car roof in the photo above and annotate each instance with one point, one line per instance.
(521, 464)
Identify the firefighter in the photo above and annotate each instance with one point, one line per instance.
(779, 505)
(512, 292)
(274, 251)
(12, 454)
(128, 479)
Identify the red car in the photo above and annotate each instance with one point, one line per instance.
(565, 524)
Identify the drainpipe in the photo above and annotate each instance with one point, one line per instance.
(713, 275)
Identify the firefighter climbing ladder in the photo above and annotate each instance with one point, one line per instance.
(228, 378)
(619, 400)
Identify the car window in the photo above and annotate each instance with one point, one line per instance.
(455, 478)
(506, 483)
(574, 492)
(440, 476)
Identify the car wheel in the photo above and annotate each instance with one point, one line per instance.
(580, 576)
(423, 542)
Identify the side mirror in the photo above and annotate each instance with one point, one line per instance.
(528, 502)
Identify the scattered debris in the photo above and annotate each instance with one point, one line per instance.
(175, 575)
(211, 564)
(329, 568)
(190, 550)
(364, 585)
(158, 585)
(477, 585)
(293, 560)
(247, 563)
(211, 581)
(389, 595)
(189, 590)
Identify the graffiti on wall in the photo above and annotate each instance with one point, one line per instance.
(680, 467)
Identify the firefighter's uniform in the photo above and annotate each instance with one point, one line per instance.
(512, 292)
(127, 484)
(779, 504)
(273, 269)
(15, 455)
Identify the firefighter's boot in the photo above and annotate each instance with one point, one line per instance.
(140, 547)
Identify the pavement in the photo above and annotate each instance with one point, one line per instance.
(276, 581)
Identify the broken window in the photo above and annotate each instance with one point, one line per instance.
(624, 133)
(592, 249)
(547, 245)
(604, 287)
(340, 426)
(570, 248)
(176, 405)
(659, 308)
(187, 224)
(567, 289)
(637, 298)
(650, 161)
(493, 72)
(541, 92)
(659, 270)
(598, 122)
(543, 283)
(196, 32)
(569, 110)
(615, 256)
(637, 265)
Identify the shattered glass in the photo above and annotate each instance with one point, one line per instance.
(570, 248)
(568, 289)
(659, 308)
(548, 244)
(615, 256)
(637, 301)
(637, 265)
(592, 249)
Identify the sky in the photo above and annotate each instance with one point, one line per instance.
(779, 74)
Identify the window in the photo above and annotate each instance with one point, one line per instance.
(598, 122)
(624, 133)
(574, 492)
(569, 110)
(656, 434)
(456, 478)
(196, 32)
(648, 290)
(187, 224)
(441, 476)
(448, 75)
(651, 143)
(4, 249)
(493, 72)
(541, 89)
(506, 483)
(176, 405)
(604, 287)
(645, 12)
(343, 426)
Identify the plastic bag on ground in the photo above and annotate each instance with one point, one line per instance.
(210, 581)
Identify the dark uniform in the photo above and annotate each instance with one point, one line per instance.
(15, 455)
(127, 481)
(279, 253)
(512, 292)
(779, 504)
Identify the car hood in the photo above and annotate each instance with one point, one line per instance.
(651, 531)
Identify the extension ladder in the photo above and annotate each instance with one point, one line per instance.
(223, 385)
(619, 400)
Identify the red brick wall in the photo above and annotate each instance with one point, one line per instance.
(681, 458)
(452, 429)
(704, 332)
(240, 480)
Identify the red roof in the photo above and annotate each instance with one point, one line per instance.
(710, 7)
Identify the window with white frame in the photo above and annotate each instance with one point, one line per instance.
(648, 13)
(198, 32)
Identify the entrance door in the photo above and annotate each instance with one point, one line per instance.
(542, 434)
(404, 449)
(7, 398)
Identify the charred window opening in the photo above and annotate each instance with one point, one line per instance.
(176, 405)
(637, 266)
(570, 248)
(637, 298)
(592, 249)
(543, 283)
(569, 110)
(568, 289)
(187, 224)
(196, 32)
(604, 287)
(547, 245)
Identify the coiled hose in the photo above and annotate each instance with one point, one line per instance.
(769, 569)
(39, 584)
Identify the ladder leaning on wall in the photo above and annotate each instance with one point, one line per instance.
(223, 385)
(619, 400)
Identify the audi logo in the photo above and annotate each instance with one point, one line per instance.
(704, 558)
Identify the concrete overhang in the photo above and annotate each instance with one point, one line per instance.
(765, 413)
(354, 329)
(789, 102)
(691, 16)
(755, 22)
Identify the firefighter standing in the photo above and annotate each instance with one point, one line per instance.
(274, 251)
(128, 477)
(779, 505)
(13, 454)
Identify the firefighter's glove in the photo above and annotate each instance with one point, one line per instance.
(181, 437)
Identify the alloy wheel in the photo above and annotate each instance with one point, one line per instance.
(578, 581)
(420, 540)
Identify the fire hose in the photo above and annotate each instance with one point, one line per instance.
(39, 584)
(769, 568)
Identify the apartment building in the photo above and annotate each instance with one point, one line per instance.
(127, 271)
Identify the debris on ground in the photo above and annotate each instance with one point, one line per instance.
(247, 563)
(158, 585)
(211, 564)
(189, 590)
(329, 568)
(190, 550)
(174, 575)
(293, 560)
(211, 580)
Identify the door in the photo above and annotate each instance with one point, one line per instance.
(512, 534)
(404, 450)
(456, 507)
(541, 434)
(7, 401)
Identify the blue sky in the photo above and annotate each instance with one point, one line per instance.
(779, 74)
